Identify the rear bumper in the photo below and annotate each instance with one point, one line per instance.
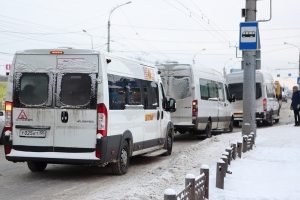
(258, 116)
(53, 157)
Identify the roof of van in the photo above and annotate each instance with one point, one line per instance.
(65, 51)
(68, 50)
(232, 77)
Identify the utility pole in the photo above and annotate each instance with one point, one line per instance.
(249, 90)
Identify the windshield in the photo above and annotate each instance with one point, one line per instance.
(176, 80)
(237, 89)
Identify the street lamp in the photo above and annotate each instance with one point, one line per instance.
(224, 71)
(299, 56)
(108, 27)
(196, 54)
(91, 37)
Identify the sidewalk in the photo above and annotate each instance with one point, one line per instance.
(270, 171)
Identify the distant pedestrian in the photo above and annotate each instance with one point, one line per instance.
(295, 105)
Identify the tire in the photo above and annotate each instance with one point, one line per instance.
(207, 130)
(231, 126)
(121, 166)
(236, 123)
(169, 144)
(276, 120)
(2, 138)
(271, 122)
(36, 166)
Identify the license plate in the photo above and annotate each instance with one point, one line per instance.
(33, 133)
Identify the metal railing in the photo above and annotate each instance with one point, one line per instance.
(195, 188)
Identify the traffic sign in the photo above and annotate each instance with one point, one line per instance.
(249, 36)
(298, 80)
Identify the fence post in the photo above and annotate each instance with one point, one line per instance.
(253, 137)
(205, 169)
(251, 141)
(233, 146)
(225, 159)
(190, 179)
(169, 194)
(220, 174)
(239, 149)
(245, 141)
(229, 150)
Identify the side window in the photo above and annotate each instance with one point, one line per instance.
(204, 89)
(270, 90)
(228, 96)
(76, 89)
(221, 91)
(150, 95)
(163, 96)
(33, 89)
(116, 93)
(213, 89)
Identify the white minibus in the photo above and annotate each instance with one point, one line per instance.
(202, 98)
(76, 106)
(266, 105)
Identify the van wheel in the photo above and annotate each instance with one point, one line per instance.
(271, 122)
(2, 138)
(169, 144)
(121, 166)
(207, 130)
(231, 126)
(36, 166)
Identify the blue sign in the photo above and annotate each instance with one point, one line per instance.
(249, 36)
(298, 80)
(278, 75)
(289, 74)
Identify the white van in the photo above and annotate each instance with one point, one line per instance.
(202, 98)
(266, 105)
(73, 106)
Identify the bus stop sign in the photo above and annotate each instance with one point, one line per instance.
(249, 36)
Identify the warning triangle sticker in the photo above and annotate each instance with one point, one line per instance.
(22, 115)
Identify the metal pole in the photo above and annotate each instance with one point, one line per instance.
(108, 37)
(249, 124)
(196, 54)
(108, 25)
(90, 36)
(224, 69)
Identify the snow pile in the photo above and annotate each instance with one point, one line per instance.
(269, 171)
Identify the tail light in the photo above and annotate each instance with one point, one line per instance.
(101, 125)
(195, 108)
(8, 124)
(102, 120)
(265, 104)
(8, 116)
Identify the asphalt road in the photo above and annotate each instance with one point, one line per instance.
(74, 182)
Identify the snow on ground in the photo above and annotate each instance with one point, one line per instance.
(269, 171)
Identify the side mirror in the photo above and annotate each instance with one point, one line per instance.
(232, 99)
(171, 106)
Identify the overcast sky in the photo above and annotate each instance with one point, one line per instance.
(154, 30)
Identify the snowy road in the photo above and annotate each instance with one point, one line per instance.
(147, 178)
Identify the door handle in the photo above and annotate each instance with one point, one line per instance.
(64, 116)
(162, 114)
(158, 113)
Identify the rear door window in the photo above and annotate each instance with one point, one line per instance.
(33, 89)
(76, 90)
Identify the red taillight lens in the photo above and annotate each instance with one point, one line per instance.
(8, 116)
(265, 104)
(7, 149)
(98, 153)
(102, 120)
(195, 108)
